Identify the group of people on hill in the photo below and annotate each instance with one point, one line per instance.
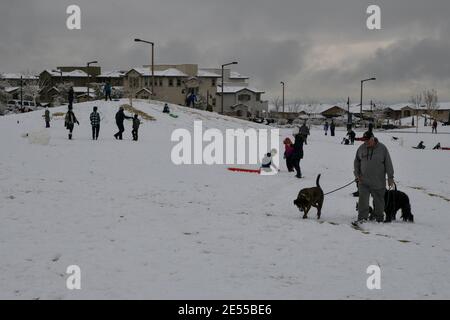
(421, 146)
(371, 166)
(70, 120)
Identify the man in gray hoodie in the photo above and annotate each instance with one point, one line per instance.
(372, 164)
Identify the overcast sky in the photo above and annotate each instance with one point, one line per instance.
(321, 49)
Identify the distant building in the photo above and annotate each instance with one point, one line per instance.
(178, 83)
(14, 79)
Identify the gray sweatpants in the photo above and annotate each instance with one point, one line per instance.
(378, 202)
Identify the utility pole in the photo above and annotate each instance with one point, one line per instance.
(21, 91)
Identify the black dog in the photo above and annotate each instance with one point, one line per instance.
(310, 197)
(395, 200)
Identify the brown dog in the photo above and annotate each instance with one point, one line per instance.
(310, 197)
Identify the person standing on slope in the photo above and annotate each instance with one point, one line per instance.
(371, 165)
(288, 152)
(136, 124)
(71, 96)
(325, 127)
(332, 128)
(120, 117)
(434, 127)
(304, 131)
(95, 123)
(47, 117)
(70, 121)
(107, 91)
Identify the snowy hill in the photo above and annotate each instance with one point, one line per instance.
(140, 227)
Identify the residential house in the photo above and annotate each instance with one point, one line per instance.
(16, 79)
(173, 83)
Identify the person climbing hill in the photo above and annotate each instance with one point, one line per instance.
(70, 121)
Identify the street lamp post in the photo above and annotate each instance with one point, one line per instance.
(88, 77)
(60, 74)
(21, 91)
(361, 106)
(223, 66)
(153, 61)
(282, 84)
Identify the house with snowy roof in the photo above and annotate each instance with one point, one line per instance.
(177, 83)
(15, 79)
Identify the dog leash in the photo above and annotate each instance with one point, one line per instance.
(348, 184)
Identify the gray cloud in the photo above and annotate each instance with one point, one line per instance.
(321, 48)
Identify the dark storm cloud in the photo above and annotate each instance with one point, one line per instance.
(320, 47)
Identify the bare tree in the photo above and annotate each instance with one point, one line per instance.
(32, 92)
(63, 92)
(295, 106)
(416, 101)
(379, 113)
(311, 106)
(276, 102)
(430, 98)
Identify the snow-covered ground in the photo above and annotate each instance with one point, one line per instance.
(140, 227)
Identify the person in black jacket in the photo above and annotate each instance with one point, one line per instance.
(70, 121)
(297, 155)
(136, 124)
(332, 128)
(120, 117)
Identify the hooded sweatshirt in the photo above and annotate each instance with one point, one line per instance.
(372, 164)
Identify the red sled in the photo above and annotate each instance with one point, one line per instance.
(445, 148)
(245, 170)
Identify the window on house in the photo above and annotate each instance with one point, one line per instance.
(160, 82)
(244, 97)
(170, 82)
(134, 82)
(213, 82)
(178, 82)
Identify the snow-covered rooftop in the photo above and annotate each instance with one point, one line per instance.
(237, 75)
(112, 74)
(207, 74)
(235, 89)
(16, 76)
(171, 72)
(74, 73)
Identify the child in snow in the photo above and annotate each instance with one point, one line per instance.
(351, 135)
(166, 108)
(267, 162)
(136, 124)
(70, 121)
(437, 147)
(325, 127)
(288, 152)
(420, 146)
